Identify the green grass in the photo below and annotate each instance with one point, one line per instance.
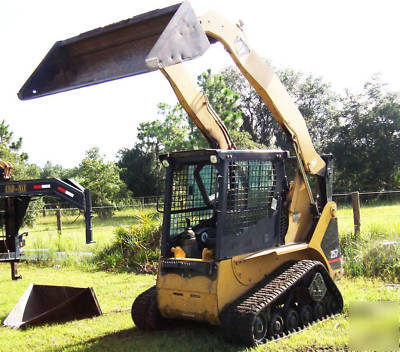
(383, 219)
(114, 330)
(365, 255)
(375, 252)
(44, 233)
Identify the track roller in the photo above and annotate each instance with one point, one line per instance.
(276, 325)
(306, 314)
(291, 320)
(318, 310)
(259, 328)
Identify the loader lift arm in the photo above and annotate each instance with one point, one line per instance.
(198, 108)
(267, 85)
(171, 35)
(162, 40)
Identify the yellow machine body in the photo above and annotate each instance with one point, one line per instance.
(202, 298)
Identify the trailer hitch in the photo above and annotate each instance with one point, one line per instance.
(15, 197)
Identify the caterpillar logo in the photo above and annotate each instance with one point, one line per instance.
(16, 188)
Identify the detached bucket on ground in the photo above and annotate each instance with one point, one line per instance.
(43, 304)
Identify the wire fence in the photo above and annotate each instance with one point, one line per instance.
(368, 198)
(342, 199)
(376, 213)
(137, 202)
(366, 211)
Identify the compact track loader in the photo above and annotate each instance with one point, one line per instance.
(242, 246)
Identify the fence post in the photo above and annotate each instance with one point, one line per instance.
(59, 221)
(355, 198)
(44, 211)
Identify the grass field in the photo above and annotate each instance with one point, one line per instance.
(44, 243)
(44, 233)
(114, 330)
(382, 221)
(366, 255)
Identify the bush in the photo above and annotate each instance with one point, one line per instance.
(106, 211)
(134, 248)
(35, 207)
(370, 255)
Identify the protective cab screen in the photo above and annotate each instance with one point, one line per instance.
(252, 207)
(194, 196)
(251, 189)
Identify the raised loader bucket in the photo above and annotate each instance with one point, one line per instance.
(140, 44)
(42, 304)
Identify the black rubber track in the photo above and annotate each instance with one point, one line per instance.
(237, 318)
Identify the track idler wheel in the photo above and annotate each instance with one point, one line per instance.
(259, 328)
(276, 325)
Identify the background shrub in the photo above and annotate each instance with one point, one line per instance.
(135, 247)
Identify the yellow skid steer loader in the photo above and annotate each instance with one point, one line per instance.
(242, 246)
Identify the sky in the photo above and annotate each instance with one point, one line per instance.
(345, 42)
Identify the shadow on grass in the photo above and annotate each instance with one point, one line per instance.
(185, 336)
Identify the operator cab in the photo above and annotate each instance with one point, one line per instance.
(221, 203)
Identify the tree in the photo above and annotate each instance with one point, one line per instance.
(169, 133)
(313, 97)
(257, 120)
(10, 151)
(49, 170)
(102, 178)
(367, 140)
(226, 104)
(6, 138)
(361, 130)
(224, 100)
(138, 171)
(175, 131)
